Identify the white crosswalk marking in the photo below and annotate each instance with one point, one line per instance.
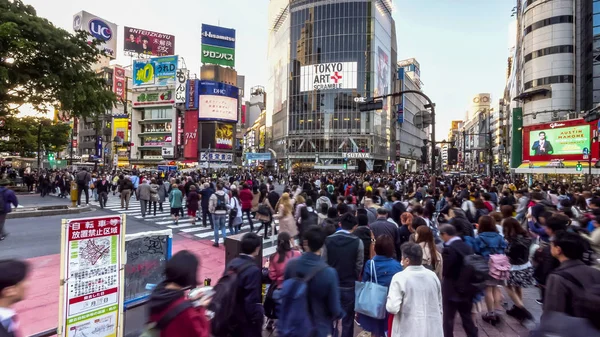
(184, 225)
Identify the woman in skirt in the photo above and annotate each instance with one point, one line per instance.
(521, 272)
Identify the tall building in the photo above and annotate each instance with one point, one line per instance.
(323, 55)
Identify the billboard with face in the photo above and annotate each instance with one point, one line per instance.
(567, 140)
(147, 42)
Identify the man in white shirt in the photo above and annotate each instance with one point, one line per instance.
(12, 290)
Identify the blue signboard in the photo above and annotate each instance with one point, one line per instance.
(218, 36)
(99, 147)
(217, 101)
(191, 100)
(258, 156)
(217, 89)
(401, 74)
(155, 71)
(167, 168)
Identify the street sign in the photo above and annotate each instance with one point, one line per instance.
(360, 99)
(585, 156)
(370, 105)
(586, 151)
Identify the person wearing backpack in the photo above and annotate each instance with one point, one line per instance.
(521, 271)
(312, 313)
(237, 301)
(457, 293)
(7, 200)
(344, 252)
(574, 288)
(490, 244)
(218, 206)
(170, 312)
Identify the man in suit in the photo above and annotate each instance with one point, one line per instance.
(455, 298)
(542, 146)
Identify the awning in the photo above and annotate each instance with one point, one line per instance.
(547, 167)
(543, 89)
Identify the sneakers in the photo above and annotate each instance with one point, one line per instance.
(539, 301)
(491, 318)
(216, 244)
(519, 314)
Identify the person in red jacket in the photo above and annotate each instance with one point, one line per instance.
(246, 199)
(169, 296)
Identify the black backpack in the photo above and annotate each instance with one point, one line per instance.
(585, 302)
(221, 204)
(518, 250)
(474, 273)
(225, 304)
(311, 220)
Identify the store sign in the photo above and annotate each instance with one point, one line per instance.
(258, 156)
(326, 76)
(559, 140)
(190, 135)
(168, 152)
(153, 157)
(156, 71)
(224, 136)
(181, 86)
(356, 155)
(158, 141)
(154, 98)
(218, 55)
(99, 29)
(218, 36)
(119, 83)
(92, 251)
(147, 42)
(218, 101)
(216, 156)
(191, 101)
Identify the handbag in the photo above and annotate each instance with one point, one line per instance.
(234, 211)
(371, 297)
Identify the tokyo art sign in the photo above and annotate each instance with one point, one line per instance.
(327, 76)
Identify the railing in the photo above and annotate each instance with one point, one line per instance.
(54, 331)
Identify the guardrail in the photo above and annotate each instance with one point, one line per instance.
(54, 331)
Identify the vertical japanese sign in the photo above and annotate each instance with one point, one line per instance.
(91, 302)
(180, 86)
(190, 135)
(119, 83)
(191, 101)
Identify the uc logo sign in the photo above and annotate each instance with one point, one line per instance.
(100, 30)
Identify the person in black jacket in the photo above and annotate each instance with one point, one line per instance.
(454, 289)
(458, 219)
(102, 186)
(344, 252)
(249, 318)
(397, 207)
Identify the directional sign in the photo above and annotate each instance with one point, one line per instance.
(586, 151)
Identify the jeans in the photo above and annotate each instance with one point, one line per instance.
(464, 310)
(218, 221)
(347, 297)
(103, 197)
(247, 211)
(85, 189)
(95, 194)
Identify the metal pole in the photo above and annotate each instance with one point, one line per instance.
(464, 156)
(39, 146)
(433, 167)
(72, 136)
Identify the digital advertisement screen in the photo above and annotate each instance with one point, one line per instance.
(559, 141)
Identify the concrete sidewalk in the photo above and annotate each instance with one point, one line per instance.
(32, 200)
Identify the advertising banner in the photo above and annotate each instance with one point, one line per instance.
(224, 137)
(564, 140)
(218, 101)
(326, 76)
(191, 101)
(218, 55)
(218, 36)
(258, 156)
(119, 83)
(99, 29)
(181, 86)
(261, 137)
(92, 252)
(155, 71)
(147, 42)
(190, 135)
(158, 141)
(243, 117)
(163, 97)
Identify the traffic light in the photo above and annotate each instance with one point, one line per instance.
(452, 156)
(50, 156)
(345, 163)
(579, 167)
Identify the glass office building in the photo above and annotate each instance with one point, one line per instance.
(323, 55)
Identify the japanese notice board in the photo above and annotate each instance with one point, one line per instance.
(92, 251)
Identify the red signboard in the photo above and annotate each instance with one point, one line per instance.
(119, 83)
(565, 140)
(147, 42)
(190, 135)
(243, 114)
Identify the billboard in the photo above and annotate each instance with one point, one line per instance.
(326, 76)
(258, 156)
(155, 71)
(119, 83)
(163, 97)
(147, 42)
(218, 36)
(190, 135)
(224, 136)
(558, 140)
(191, 101)
(218, 55)
(218, 101)
(99, 29)
(181, 86)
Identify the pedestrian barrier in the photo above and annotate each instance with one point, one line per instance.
(130, 307)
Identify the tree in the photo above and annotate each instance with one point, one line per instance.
(44, 65)
(20, 135)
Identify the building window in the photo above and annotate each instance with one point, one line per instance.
(159, 113)
(548, 80)
(549, 51)
(547, 22)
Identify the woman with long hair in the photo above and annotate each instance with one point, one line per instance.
(432, 259)
(235, 217)
(287, 223)
(521, 271)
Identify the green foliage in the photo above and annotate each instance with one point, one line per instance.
(44, 65)
(21, 135)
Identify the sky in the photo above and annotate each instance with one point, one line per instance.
(461, 45)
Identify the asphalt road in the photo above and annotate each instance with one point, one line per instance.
(40, 236)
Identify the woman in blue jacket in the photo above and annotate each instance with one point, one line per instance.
(488, 242)
(385, 266)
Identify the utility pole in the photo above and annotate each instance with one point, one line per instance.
(39, 146)
(464, 156)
